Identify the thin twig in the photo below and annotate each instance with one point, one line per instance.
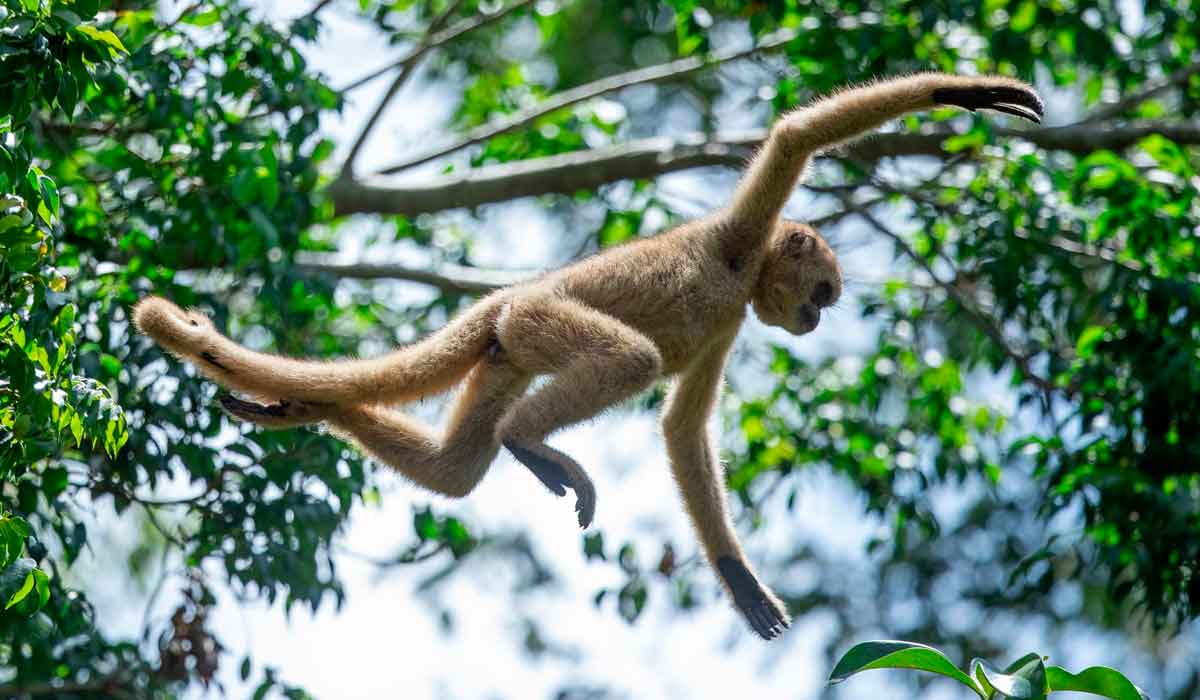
(673, 70)
(1095, 253)
(439, 39)
(1116, 109)
(316, 10)
(406, 70)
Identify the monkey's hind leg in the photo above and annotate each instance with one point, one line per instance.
(596, 361)
(453, 464)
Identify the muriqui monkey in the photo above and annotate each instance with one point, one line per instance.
(604, 329)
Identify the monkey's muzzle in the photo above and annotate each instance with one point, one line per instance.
(808, 319)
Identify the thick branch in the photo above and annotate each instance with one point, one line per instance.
(451, 279)
(647, 158)
(664, 72)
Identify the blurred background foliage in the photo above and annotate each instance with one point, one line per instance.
(1036, 340)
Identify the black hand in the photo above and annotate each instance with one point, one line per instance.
(248, 410)
(1018, 101)
(764, 617)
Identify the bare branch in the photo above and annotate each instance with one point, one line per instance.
(1116, 109)
(451, 279)
(647, 158)
(440, 39)
(406, 69)
(664, 72)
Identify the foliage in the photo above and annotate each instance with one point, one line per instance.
(1027, 678)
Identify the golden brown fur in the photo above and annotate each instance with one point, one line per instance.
(604, 329)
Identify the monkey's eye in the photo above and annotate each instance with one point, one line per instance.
(823, 294)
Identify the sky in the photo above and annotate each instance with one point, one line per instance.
(386, 641)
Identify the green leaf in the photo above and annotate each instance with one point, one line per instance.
(203, 19)
(898, 654)
(103, 36)
(22, 591)
(41, 583)
(1087, 341)
(1027, 683)
(1097, 680)
(1023, 19)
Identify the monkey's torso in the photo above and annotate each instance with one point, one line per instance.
(674, 288)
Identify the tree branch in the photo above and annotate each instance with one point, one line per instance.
(451, 279)
(664, 72)
(647, 158)
(439, 39)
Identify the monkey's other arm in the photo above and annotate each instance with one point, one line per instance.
(702, 484)
(798, 135)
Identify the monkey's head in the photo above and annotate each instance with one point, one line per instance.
(799, 277)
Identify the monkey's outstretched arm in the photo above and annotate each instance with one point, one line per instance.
(700, 478)
(427, 367)
(796, 136)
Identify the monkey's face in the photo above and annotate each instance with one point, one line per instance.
(799, 277)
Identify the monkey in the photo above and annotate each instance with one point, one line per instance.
(602, 329)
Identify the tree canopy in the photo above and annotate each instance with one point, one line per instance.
(1033, 348)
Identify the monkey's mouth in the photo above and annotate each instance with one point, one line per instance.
(808, 319)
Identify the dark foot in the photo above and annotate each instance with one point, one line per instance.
(556, 478)
(763, 614)
(1017, 101)
(547, 471)
(282, 414)
(248, 410)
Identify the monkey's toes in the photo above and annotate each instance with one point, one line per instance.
(1017, 100)
(285, 414)
(585, 502)
(765, 616)
(249, 410)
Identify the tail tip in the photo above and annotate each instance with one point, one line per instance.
(167, 323)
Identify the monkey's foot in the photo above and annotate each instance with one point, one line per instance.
(285, 414)
(1015, 100)
(756, 604)
(558, 472)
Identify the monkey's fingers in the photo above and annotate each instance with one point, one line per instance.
(1016, 100)
(764, 615)
(550, 473)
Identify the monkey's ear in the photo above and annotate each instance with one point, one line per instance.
(800, 243)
